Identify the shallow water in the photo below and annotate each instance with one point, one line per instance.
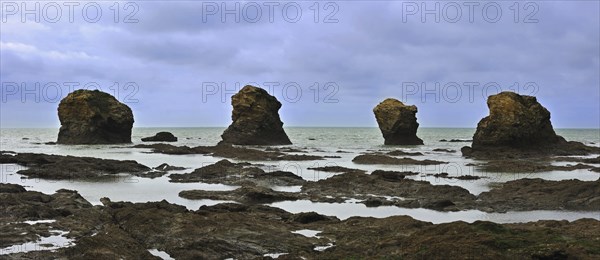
(328, 141)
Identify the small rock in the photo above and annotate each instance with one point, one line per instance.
(161, 137)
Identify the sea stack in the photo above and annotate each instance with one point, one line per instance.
(255, 119)
(519, 126)
(397, 122)
(93, 117)
(515, 121)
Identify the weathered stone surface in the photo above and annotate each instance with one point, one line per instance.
(388, 188)
(397, 122)
(539, 194)
(384, 159)
(519, 127)
(58, 167)
(232, 152)
(93, 117)
(226, 172)
(125, 230)
(246, 194)
(161, 137)
(515, 121)
(255, 119)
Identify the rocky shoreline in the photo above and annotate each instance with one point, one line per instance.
(516, 137)
(252, 231)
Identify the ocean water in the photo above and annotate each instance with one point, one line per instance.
(318, 141)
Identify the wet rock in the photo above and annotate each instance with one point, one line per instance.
(384, 159)
(333, 169)
(161, 137)
(245, 194)
(226, 172)
(538, 194)
(311, 217)
(397, 122)
(444, 150)
(528, 166)
(595, 160)
(111, 242)
(391, 187)
(445, 175)
(93, 117)
(11, 188)
(58, 167)
(212, 232)
(393, 175)
(166, 167)
(519, 126)
(457, 140)
(18, 205)
(255, 119)
(229, 151)
(285, 150)
(403, 153)
(125, 230)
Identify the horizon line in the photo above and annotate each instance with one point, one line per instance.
(427, 127)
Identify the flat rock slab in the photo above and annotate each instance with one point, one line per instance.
(384, 159)
(58, 167)
(231, 152)
(226, 172)
(538, 194)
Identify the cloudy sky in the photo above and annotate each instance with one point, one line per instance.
(329, 63)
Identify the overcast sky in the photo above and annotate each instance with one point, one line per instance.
(178, 63)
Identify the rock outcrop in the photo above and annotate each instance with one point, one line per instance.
(93, 117)
(161, 137)
(59, 167)
(397, 122)
(515, 121)
(255, 119)
(519, 125)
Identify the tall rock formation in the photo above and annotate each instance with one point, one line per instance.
(397, 122)
(255, 119)
(93, 117)
(515, 121)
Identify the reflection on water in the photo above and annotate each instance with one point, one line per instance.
(327, 141)
(347, 210)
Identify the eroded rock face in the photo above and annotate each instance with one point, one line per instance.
(255, 119)
(93, 117)
(519, 127)
(515, 121)
(397, 122)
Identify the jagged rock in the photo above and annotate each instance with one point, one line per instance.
(397, 122)
(161, 137)
(255, 119)
(93, 117)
